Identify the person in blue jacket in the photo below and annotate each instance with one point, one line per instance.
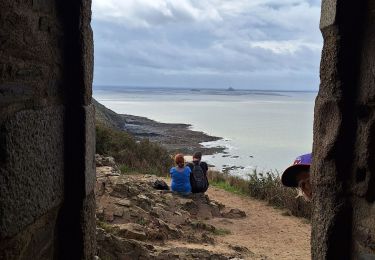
(180, 176)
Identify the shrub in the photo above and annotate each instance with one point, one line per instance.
(133, 155)
(264, 186)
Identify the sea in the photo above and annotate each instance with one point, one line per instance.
(260, 130)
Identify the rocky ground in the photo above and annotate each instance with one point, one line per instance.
(136, 221)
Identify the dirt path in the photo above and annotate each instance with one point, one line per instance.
(264, 231)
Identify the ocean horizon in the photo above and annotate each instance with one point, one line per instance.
(260, 129)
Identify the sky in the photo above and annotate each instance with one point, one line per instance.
(244, 44)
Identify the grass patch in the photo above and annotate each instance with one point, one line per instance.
(107, 227)
(263, 186)
(141, 221)
(226, 186)
(221, 232)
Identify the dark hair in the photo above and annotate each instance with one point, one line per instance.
(197, 155)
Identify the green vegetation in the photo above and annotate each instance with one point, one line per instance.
(226, 186)
(132, 155)
(264, 186)
(221, 232)
(142, 221)
(107, 227)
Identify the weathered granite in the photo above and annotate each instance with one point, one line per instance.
(343, 170)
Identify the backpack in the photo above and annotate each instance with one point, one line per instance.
(160, 185)
(198, 179)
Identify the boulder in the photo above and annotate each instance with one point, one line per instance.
(131, 231)
(113, 247)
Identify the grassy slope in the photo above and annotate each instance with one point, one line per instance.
(132, 155)
(263, 186)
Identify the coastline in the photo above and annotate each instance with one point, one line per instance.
(176, 138)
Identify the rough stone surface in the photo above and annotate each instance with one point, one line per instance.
(145, 221)
(343, 171)
(32, 177)
(28, 242)
(47, 134)
(90, 164)
(328, 15)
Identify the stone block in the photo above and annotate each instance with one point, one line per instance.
(328, 14)
(32, 172)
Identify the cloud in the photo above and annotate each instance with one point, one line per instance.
(148, 13)
(289, 46)
(207, 43)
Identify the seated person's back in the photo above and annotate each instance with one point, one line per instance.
(198, 177)
(180, 176)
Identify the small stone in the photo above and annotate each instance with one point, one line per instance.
(143, 197)
(178, 213)
(100, 214)
(238, 248)
(108, 161)
(108, 216)
(207, 239)
(118, 212)
(234, 213)
(124, 202)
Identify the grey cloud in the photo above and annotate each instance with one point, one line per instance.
(265, 44)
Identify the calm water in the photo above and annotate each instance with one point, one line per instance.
(263, 130)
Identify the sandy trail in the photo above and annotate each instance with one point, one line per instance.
(264, 231)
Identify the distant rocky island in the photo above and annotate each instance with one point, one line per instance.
(174, 137)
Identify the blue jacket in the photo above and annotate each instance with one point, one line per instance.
(180, 180)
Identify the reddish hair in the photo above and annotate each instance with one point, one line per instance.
(179, 158)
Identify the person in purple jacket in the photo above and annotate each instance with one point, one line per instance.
(298, 175)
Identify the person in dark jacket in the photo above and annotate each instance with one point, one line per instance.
(198, 177)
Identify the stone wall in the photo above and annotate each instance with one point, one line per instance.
(46, 130)
(344, 134)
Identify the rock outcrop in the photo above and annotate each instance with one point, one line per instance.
(136, 221)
